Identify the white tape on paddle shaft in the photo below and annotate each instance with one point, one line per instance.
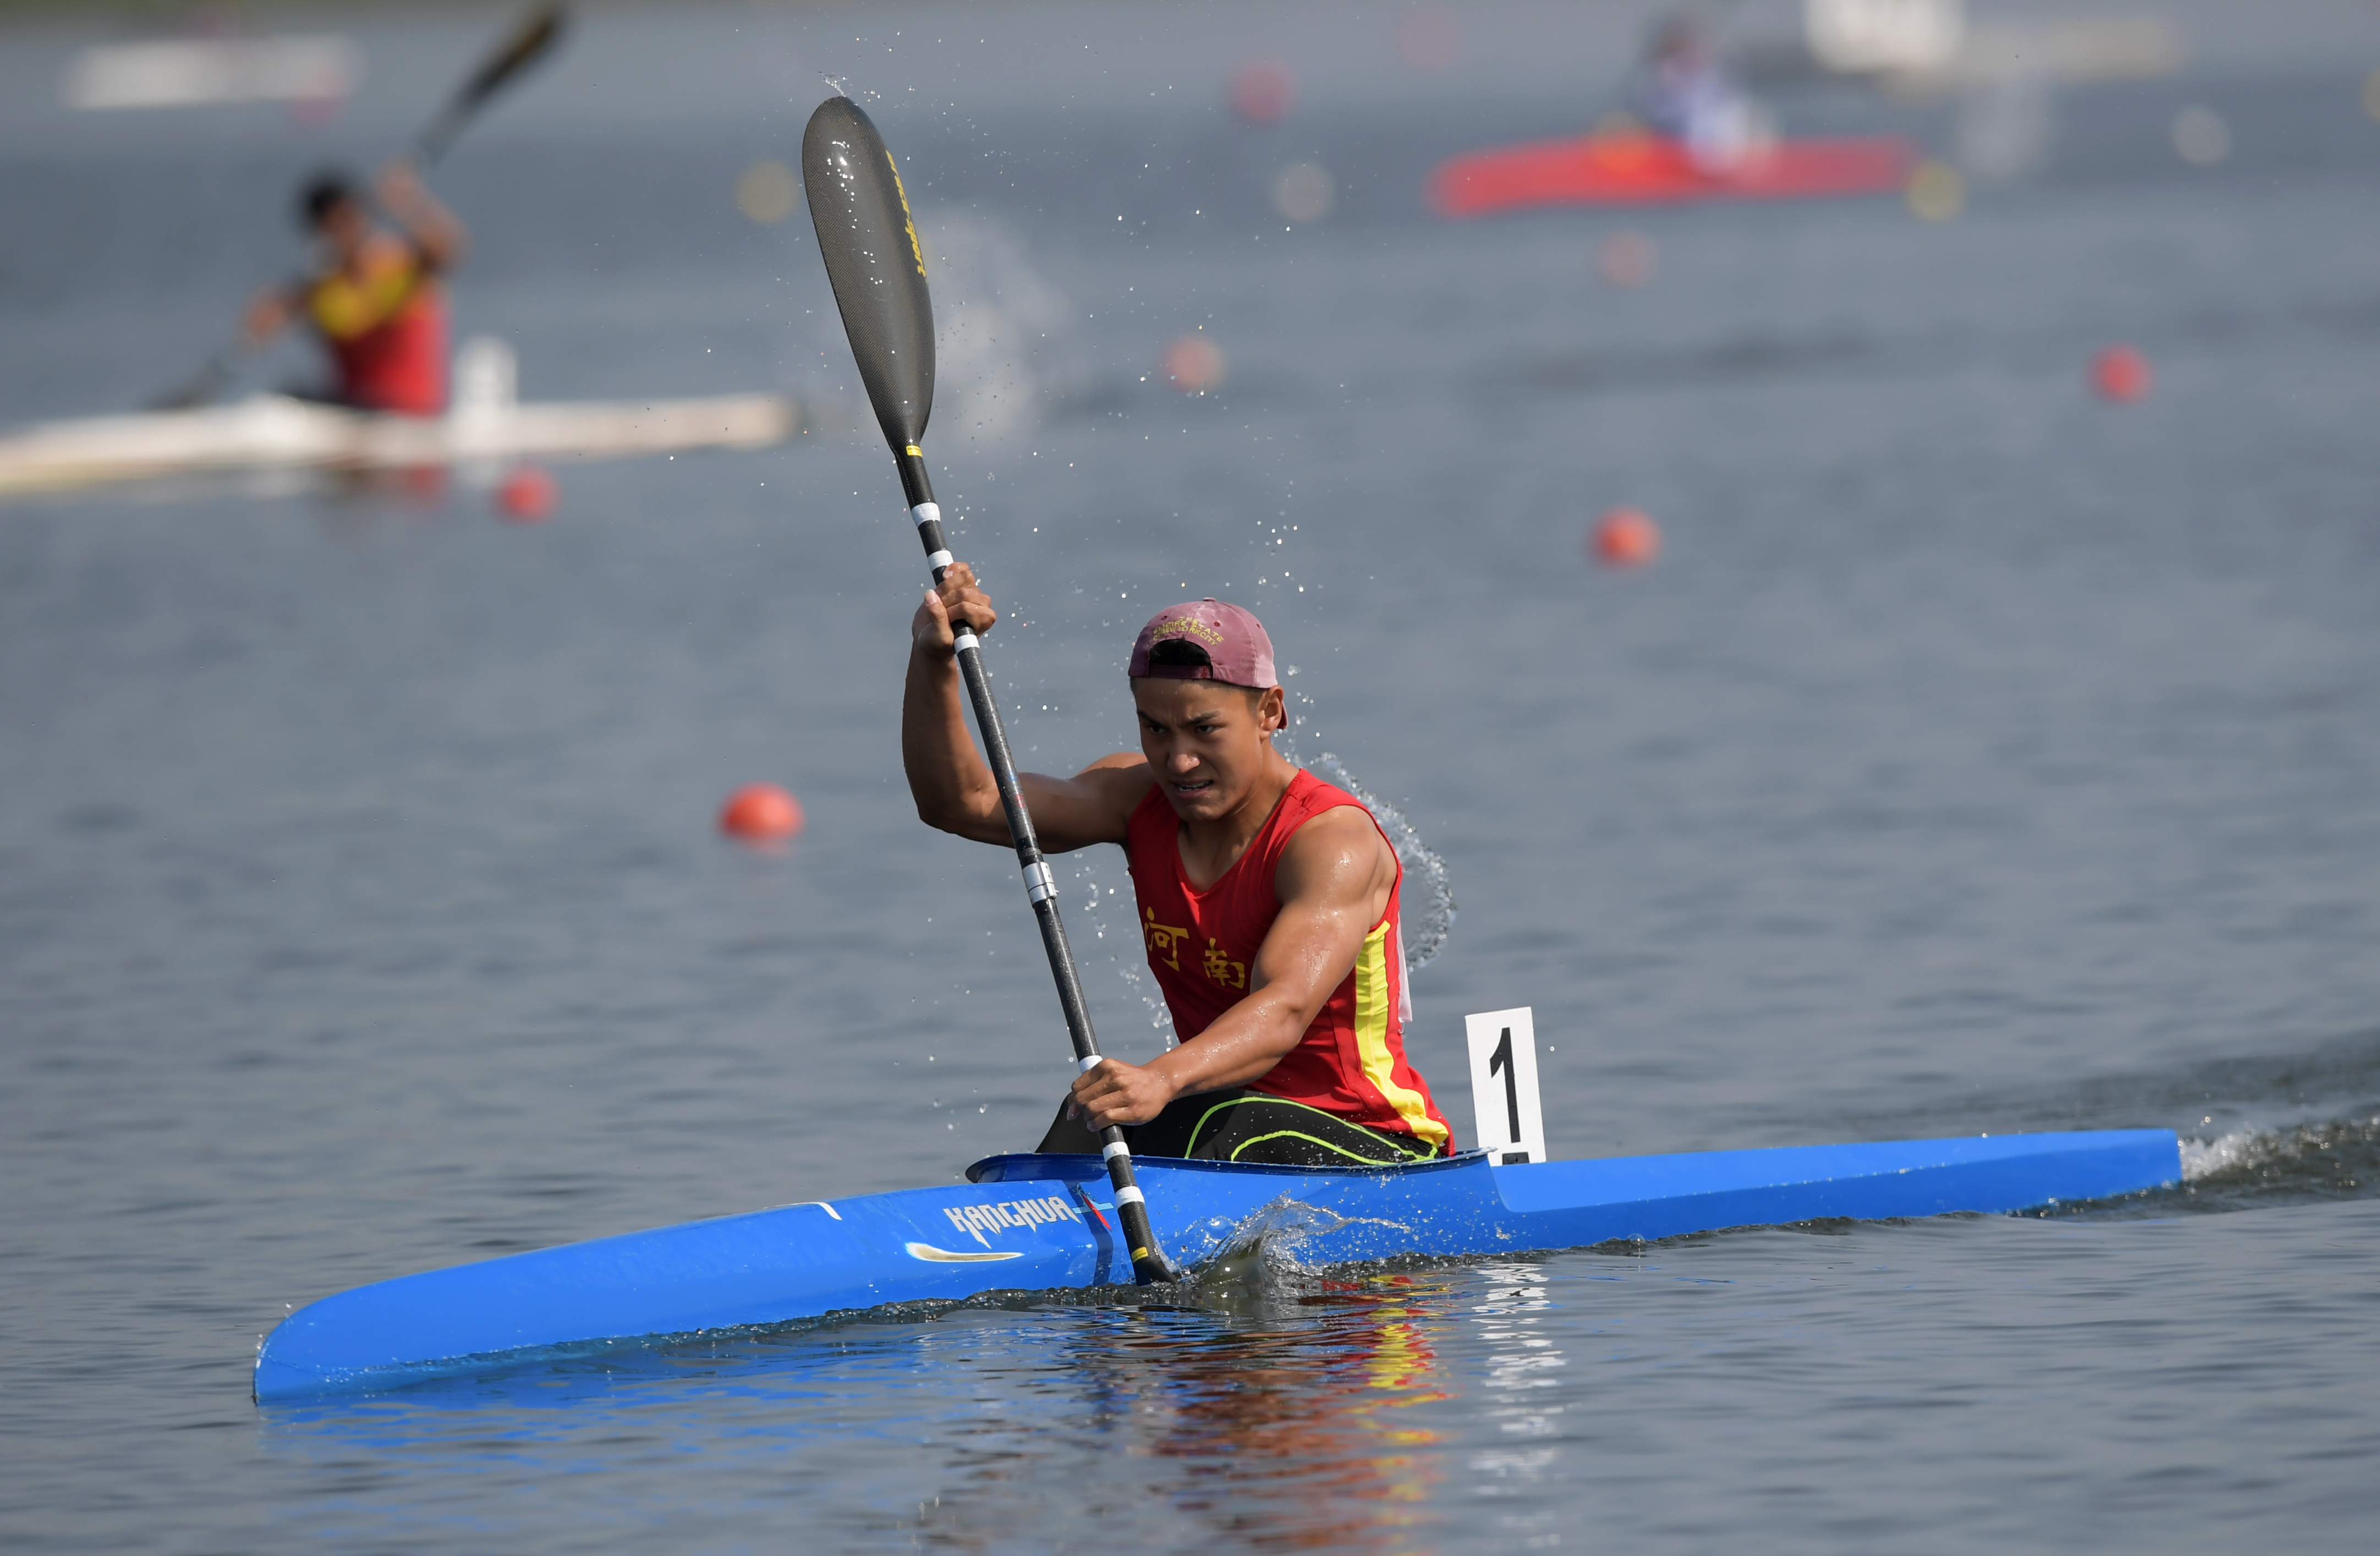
(927, 513)
(1129, 1197)
(1107, 1153)
(1510, 1124)
(1085, 1066)
(939, 560)
(964, 640)
(1039, 884)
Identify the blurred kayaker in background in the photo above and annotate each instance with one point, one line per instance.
(1686, 94)
(376, 299)
(1268, 900)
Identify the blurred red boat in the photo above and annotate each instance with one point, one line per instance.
(1639, 169)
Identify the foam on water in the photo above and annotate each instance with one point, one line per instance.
(2323, 1159)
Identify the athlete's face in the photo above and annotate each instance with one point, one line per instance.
(1206, 741)
(344, 228)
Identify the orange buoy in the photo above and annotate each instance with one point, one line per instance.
(1194, 364)
(2120, 373)
(527, 496)
(1625, 537)
(762, 813)
(1263, 91)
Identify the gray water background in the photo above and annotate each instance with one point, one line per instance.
(1976, 757)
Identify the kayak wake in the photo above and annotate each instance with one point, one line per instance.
(2322, 1159)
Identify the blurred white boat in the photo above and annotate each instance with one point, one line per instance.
(267, 432)
(1922, 45)
(180, 73)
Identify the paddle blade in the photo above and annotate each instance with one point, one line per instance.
(523, 47)
(878, 268)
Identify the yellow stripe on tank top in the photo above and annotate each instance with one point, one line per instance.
(345, 308)
(1372, 1040)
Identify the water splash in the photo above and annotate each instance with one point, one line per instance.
(1429, 907)
(1004, 340)
(1261, 1262)
(2326, 1159)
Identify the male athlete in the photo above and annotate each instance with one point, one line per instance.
(376, 299)
(1266, 897)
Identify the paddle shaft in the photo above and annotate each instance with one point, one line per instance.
(877, 269)
(1149, 1261)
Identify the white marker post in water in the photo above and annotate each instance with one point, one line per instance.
(1510, 1127)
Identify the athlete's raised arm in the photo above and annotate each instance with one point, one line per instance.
(954, 789)
(436, 232)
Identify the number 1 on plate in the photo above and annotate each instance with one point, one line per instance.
(1510, 1126)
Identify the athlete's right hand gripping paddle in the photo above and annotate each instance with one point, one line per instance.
(878, 268)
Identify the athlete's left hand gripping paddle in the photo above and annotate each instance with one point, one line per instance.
(878, 270)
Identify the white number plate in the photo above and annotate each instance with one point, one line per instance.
(1509, 1124)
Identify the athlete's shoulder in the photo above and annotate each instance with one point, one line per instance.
(1309, 800)
(1344, 822)
(1122, 780)
(1333, 843)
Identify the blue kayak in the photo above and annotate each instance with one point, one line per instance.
(1043, 1223)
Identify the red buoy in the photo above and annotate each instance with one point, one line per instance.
(1194, 364)
(762, 813)
(2120, 373)
(527, 496)
(1263, 91)
(1625, 537)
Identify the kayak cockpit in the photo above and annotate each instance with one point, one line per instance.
(1030, 1167)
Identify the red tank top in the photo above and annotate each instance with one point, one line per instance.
(1352, 1060)
(386, 334)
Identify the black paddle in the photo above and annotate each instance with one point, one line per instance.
(527, 44)
(879, 272)
(522, 47)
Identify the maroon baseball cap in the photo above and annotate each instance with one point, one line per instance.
(1203, 640)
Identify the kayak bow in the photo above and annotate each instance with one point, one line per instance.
(1041, 1223)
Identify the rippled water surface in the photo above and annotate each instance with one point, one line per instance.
(1976, 757)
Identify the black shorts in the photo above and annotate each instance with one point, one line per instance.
(1237, 1124)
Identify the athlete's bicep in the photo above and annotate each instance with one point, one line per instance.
(1332, 892)
(1094, 805)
